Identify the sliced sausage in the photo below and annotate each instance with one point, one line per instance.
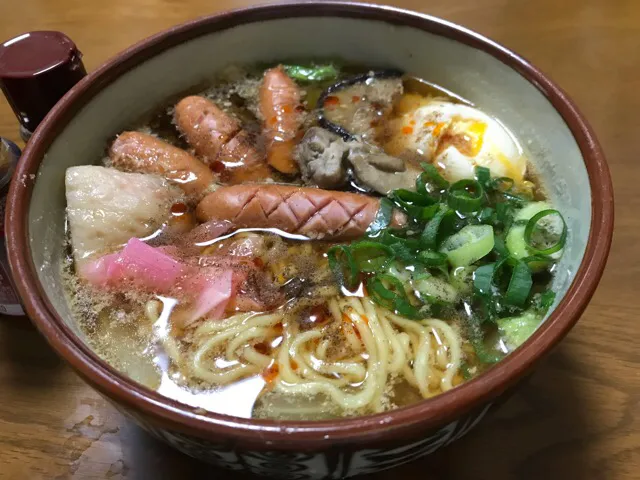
(219, 140)
(142, 153)
(279, 100)
(312, 212)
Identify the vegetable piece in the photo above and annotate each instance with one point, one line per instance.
(370, 256)
(462, 279)
(429, 237)
(515, 241)
(435, 290)
(430, 180)
(516, 330)
(312, 73)
(532, 228)
(343, 266)
(466, 196)
(519, 285)
(469, 245)
(388, 292)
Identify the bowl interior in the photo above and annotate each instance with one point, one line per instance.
(478, 76)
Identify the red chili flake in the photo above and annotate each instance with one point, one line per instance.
(355, 99)
(300, 108)
(258, 262)
(262, 348)
(278, 328)
(273, 120)
(217, 167)
(178, 209)
(287, 109)
(270, 373)
(407, 130)
(331, 100)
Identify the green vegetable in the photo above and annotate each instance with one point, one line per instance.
(519, 285)
(515, 241)
(466, 196)
(343, 266)
(462, 279)
(435, 290)
(469, 245)
(539, 246)
(314, 73)
(370, 256)
(516, 330)
(429, 237)
(388, 292)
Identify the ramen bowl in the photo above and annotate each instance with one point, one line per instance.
(559, 141)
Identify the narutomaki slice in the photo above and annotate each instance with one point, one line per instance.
(142, 153)
(279, 100)
(219, 140)
(312, 212)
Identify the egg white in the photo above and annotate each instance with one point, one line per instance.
(457, 138)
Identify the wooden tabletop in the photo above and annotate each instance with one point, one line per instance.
(578, 417)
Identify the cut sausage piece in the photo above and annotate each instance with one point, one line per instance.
(142, 153)
(312, 212)
(279, 100)
(218, 137)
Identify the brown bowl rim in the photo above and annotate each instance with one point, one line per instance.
(395, 424)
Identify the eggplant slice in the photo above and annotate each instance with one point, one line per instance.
(354, 107)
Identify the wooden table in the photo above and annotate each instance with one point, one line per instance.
(578, 418)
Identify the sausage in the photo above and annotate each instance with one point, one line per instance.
(312, 212)
(142, 153)
(219, 140)
(279, 100)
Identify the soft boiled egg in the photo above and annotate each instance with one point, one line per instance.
(456, 138)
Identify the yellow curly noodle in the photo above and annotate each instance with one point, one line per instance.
(382, 349)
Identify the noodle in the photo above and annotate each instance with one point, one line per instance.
(381, 348)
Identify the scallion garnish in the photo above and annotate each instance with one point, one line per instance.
(466, 196)
(532, 228)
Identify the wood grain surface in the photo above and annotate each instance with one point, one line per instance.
(577, 418)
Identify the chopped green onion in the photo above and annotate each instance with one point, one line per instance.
(483, 279)
(432, 174)
(530, 229)
(370, 256)
(519, 285)
(483, 176)
(382, 218)
(343, 266)
(499, 247)
(418, 207)
(391, 296)
(430, 258)
(542, 301)
(429, 237)
(435, 290)
(502, 184)
(315, 73)
(469, 245)
(466, 196)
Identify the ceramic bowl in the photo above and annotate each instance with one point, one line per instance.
(557, 137)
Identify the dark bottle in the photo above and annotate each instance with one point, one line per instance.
(36, 70)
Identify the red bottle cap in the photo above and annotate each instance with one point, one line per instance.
(36, 70)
